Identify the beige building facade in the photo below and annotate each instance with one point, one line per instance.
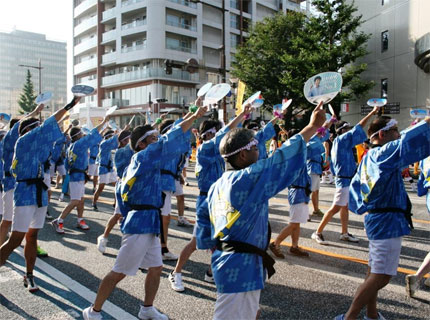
(400, 30)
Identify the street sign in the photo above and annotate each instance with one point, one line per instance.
(389, 108)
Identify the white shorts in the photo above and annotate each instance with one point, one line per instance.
(104, 178)
(299, 213)
(195, 229)
(93, 170)
(315, 184)
(113, 177)
(167, 206)
(187, 162)
(28, 217)
(117, 209)
(384, 255)
(138, 251)
(179, 188)
(77, 190)
(8, 205)
(242, 305)
(61, 170)
(1, 203)
(47, 180)
(341, 196)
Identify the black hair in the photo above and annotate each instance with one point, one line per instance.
(252, 124)
(378, 124)
(207, 125)
(292, 132)
(108, 133)
(137, 133)
(26, 126)
(165, 124)
(234, 140)
(316, 78)
(123, 134)
(12, 122)
(74, 133)
(338, 126)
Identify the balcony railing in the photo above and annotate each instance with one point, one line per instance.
(85, 66)
(85, 25)
(147, 73)
(185, 3)
(108, 57)
(133, 48)
(133, 24)
(86, 45)
(84, 6)
(109, 14)
(109, 36)
(114, 102)
(182, 25)
(129, 2)
(181, 48)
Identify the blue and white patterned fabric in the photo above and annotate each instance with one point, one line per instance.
(104, 158)
(237, 209)
(423, 184)
(209, 163)
(314, 161)
(378, 182)
(122, 159)
(1, 164)
(94, 151)
(56, 151)
(267, 133)
(342, 156)
(141, 183)
(77, 154)
(9, 142)
(31, 151)
(174, 164)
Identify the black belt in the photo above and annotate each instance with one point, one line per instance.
(75, 170)
(92, 157)
(407, 213)
(109, 166)
(344, 177)
(170, 173)
(7, 174)
(242, 247)
(40, 186)
(307, 190)
(203, 194)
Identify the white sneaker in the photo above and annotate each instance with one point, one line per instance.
(101, 244)
(319, 238)
(61, 198)
(184, 223)
(30, 284)
(169, 256)
(176, 281)
(209, 278)
(412, 284)
(89, 314)
(58, 226)
(151, 313)
(348, 237)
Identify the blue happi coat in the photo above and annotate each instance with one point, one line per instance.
(9, 142)
(342, 156)
(141, 183)
(77, 154)
(94, 151)
(104, 158)
(423, 184)
(378, 182)
(264, 134)
(31, 152)
(314, 161)
(237, 209)
(122, 159)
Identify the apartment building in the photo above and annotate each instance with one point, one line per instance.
(21, 51)
(399, 56)
(120, 48)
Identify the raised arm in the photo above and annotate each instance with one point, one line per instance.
(61, 112)
(100, 126)
(364, 121)
(317, 120)
(186, 124)
(235, 122)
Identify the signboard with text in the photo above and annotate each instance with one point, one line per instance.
(389, 108)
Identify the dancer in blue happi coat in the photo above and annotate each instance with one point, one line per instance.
(263, 135)
(32, 150)
(423, 187)
(377, 188)
(139, 196)
(209, 167)
(93, 168)
(121, 161)
(77, 165)
(234, 217)
(344, 167)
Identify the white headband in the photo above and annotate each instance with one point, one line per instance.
(346, 124)
(211, 130)
(109, 136)
(166, 128)
(253, 142)
(144, 136)
(76, 134)
(30, 125)
(126, 137)
(387, 127)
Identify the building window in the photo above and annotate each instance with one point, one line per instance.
(384, 40)
(384, 2)
(384, 88)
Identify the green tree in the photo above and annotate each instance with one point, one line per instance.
(283, 51)
(27, 98)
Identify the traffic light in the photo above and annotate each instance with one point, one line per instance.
(168, 66)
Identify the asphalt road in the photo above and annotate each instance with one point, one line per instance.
(318, 287)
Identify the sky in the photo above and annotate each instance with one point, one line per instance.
(50, 17)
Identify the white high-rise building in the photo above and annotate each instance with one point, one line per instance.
(21, 51)
(120, 48)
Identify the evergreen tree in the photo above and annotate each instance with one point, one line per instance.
(27, 98)
(283, 51)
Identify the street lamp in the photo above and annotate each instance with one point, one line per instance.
(223, 53)
(38, 67)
